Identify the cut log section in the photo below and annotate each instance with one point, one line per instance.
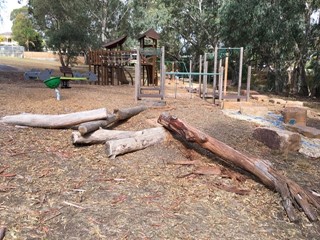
(55, 121)
(293, 195)
(139, 140)
(118, 115)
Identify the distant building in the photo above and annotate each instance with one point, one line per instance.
(10, 48)
(7, 36)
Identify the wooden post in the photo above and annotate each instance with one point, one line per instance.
(248, 83)
(240, 71)
(226, 65)
(201, 90)
(162, 74)
(205, 79)
(215, 71)
(190, 79)
(220, 83)
(137, 75)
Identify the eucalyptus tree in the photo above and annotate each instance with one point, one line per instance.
(194, 25)
(109, 18)
(66, 25)
(24, 30)
(275, 33)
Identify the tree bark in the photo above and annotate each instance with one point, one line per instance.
(293, 195)
(55, 121)
(118, 115)
(139, 140)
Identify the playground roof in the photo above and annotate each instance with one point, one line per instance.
(115, 43)
(151, 33)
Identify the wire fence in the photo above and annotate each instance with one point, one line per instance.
(12, 51)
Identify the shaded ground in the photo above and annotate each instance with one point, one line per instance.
(50, 189)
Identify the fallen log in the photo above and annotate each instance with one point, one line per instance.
(99, 137)
(293, 195)
(102, 135)
(118, 115)
(139, 140)
(126, 113)
(88, 127)
(55, 121)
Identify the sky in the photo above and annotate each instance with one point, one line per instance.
(6, 24)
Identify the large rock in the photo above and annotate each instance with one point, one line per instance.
(232, 105)
(259, 111)
(278, 139)
(295, 116)
(309, 132)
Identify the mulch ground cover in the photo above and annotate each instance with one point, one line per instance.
(50, 189)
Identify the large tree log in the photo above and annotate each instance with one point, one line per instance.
(138, 141)
(118, 115)
(102, 135)
(55, 121)
(88, 127)
(126, 113)
(293, 195)
(99, 137)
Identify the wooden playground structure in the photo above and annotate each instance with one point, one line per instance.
(109, 66)
(109, 63)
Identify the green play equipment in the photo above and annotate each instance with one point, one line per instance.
(53, 83)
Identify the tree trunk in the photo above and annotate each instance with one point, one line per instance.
(139, 140)
(292, 194)
(55, 121)
(118, 115)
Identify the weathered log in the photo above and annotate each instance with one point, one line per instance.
(99, 137)
(118, 115)
(102, 135)
(88, 127)
(138, 141)
(293, 195)
(126, 113)
(55, 121)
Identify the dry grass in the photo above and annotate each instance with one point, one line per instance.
(50, 189)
